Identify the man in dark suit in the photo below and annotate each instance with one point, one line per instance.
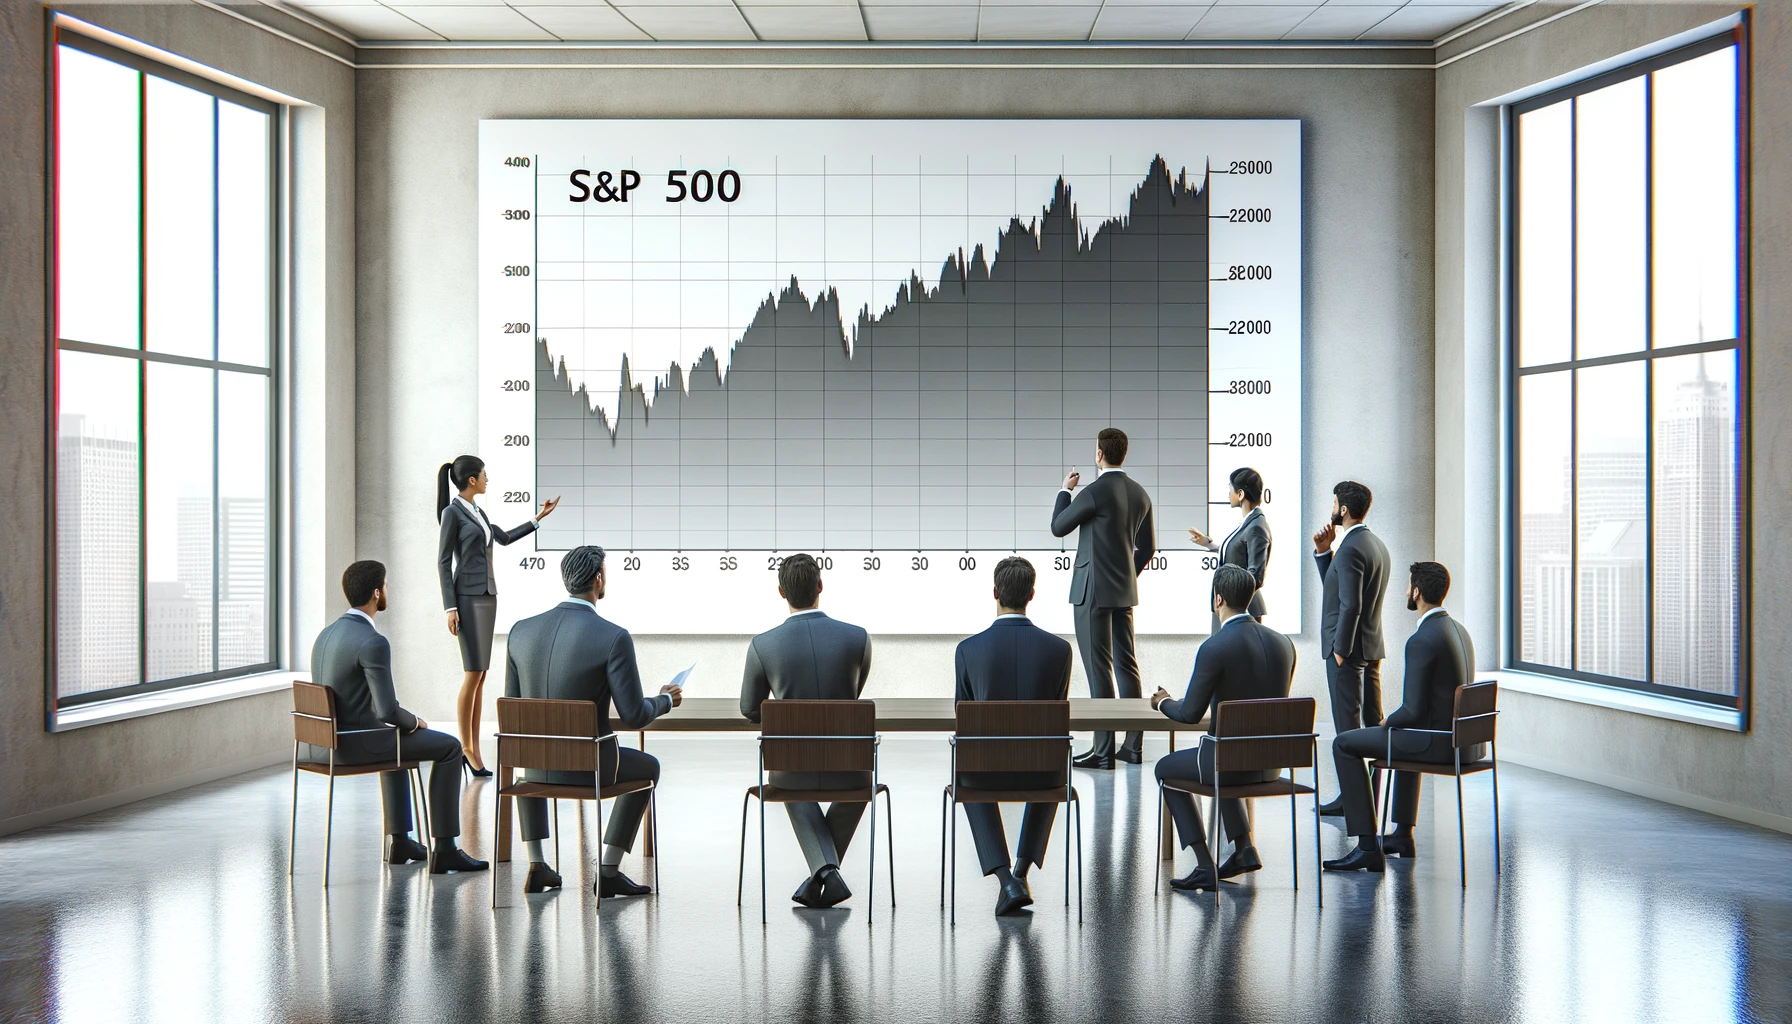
(1114, 543)
(1243, 660)
(354, 660)
(570, 652)
(1012, 660)
(1354, 569)
(811, 657)
(1440, 659)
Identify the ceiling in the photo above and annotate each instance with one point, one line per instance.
(748, 21)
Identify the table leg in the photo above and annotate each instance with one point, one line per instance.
(646, 826)
(1167, 850)
(501, 842)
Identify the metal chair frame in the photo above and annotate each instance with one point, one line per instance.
(949, 802)
(1493, 767)
(414, 775)
(1212, 839)
(653, 805)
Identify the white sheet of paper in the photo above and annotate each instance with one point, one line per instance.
(679, 679)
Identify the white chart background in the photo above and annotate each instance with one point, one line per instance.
(689, 277)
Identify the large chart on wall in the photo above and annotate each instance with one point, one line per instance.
(883, 343)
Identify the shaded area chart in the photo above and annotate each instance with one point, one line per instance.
(945, 422)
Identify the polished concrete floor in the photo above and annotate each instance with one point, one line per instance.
(1610, 908)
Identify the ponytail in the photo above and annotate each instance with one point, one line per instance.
(455, 475)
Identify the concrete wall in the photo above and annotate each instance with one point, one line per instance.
(52, 775)
(1368, 197)
(1749, 775)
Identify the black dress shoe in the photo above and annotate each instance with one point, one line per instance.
(1398, 846)
(1359, 859)
(478, 773)
(453, 859)
(833, 888)
(809, 893)
(1334, 809)
(1243, 859)
(1094, 761)
(1197, 880)
(618, 884)
(405, 849)
(1129, 756)
(541, 878)
(1012, 898)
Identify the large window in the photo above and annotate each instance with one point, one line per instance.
(164, 311)
(1629, 372)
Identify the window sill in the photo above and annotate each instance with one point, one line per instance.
(1619, 699)
(142, 704)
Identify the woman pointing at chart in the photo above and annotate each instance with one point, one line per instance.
(1247, 546)
(469, 587)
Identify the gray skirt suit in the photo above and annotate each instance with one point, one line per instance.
(469, 585)
(1247, 547)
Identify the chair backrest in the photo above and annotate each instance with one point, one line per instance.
(818, 735)
(1046, 718)
(1264, 735)
(547, 735)
(1477, 709)
(314, 714)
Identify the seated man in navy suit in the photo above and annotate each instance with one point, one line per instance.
(1012, 660)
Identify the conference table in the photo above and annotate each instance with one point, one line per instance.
(894, 714)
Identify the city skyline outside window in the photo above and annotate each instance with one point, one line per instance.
(163, 385)
(1627, 208)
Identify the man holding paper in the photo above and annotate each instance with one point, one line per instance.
(570, 652)
(811, 657)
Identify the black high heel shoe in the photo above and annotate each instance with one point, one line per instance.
(477, 773)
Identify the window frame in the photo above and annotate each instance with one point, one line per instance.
(274, 518)
(1737, 37)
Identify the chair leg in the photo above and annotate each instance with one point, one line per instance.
(421, 799)
(871, 858)
(1079, 861)
(740, 870)
(1293, 834)
(1461, 842)
(1157, 843)
(1213, 842)
(653, 818)
(945, 809)
(1496, 813)
(763, 918)
(292, 827)
(329, 820)
(952, 871)
(1318, 849)
(890, 844)
(497, 820)
(597, 891)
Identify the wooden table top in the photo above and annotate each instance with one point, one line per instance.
(927, 714)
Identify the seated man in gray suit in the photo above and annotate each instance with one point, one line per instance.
(1243, 660)
(811, 657)
(570, 652)
(1012, 660)
(354, 660)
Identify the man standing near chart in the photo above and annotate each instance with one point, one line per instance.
(1115, 541)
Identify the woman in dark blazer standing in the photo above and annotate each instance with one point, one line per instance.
(469, 587)
(1247, 546)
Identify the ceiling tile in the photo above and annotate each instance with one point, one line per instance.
(1093, 5)
(1426, 21)
(691, 23)
(370, 22)
(1267, 3)
(832, 23)
(1340, 21)
(897, 24)
(458, 22)
(1259, 22)
(796, 3)
(1030, 24)
(588, 22)
(1152, 23)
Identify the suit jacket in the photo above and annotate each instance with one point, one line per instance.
(355, 661)
(1115, 539)
(569, 652)
(1245, 660)
(1247, 547)
(808, 657)
(1013, 660)
(1354, 577)
(1440, 658)
(464, 560)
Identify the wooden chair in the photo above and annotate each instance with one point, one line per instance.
(1258, 736)
(557, 736)
(1472, 723)
(1011, 736)
(314, 722)
(817, 736)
